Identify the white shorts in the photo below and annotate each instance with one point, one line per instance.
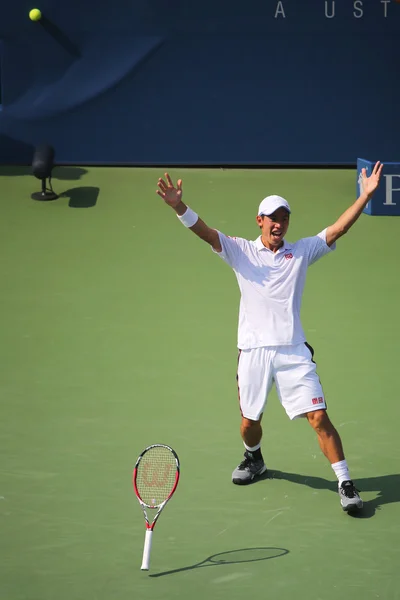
(293, 371)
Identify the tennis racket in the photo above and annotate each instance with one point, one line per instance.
(155, 478)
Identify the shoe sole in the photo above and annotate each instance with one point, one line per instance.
(247, 481)
(352, 507)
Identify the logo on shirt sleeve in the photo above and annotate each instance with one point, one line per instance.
(288, 256)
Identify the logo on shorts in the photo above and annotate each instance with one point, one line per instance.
(288, 256)
(319, 400)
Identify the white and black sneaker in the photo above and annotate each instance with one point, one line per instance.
(249, 468)
(349, 497)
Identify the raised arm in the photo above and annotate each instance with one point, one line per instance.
(350, 216)
(173, 197)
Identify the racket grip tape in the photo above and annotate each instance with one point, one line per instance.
(146, 550)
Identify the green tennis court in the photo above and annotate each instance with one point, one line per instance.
(119, 330)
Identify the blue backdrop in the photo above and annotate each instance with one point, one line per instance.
(210, 82)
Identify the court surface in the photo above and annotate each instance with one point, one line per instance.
(119, 330)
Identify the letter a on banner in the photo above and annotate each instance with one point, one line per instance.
(280, 10)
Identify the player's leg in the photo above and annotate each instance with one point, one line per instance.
(328, 438)
(301, 394)
(254, 381)
(251, 432)
(331, 446)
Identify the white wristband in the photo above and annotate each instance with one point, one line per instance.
(189, 218)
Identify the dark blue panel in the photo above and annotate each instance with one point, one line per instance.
(171, 81)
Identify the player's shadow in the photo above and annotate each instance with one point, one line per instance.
(81, 197)
(387, 488)
(232, 557)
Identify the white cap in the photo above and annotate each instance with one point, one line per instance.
(271, 203)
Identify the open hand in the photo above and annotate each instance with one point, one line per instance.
(369, 184)
(170, 194)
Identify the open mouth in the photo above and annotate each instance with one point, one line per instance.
(276, 235)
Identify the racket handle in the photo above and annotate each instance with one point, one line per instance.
(146, 550)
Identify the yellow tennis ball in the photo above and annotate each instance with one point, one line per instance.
(35, 14)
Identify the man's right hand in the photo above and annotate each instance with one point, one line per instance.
(173, 197)
(168, 192)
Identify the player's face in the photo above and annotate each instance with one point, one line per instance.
(274, 227)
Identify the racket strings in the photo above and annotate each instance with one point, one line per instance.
(156, 475)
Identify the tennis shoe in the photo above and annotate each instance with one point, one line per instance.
(349, 497)
(248, 469)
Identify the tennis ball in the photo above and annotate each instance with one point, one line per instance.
(35, 14)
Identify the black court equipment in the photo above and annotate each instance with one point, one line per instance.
(42, 166)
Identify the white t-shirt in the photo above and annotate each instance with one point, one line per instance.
(271, 286)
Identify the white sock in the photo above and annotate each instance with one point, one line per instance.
(252, 448)
(341, 471)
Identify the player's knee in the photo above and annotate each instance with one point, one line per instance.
(248, 424)
(319, 420)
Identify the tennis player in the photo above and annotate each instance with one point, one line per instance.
(271, 274)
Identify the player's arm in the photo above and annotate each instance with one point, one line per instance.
(173, 197)
(350, 216)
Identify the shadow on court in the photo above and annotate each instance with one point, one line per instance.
(244, 555)
(386, 486)
(61, 173)
(81, 197)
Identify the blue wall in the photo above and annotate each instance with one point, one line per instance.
(211, 82)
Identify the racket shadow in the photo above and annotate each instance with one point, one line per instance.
(243, 555)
